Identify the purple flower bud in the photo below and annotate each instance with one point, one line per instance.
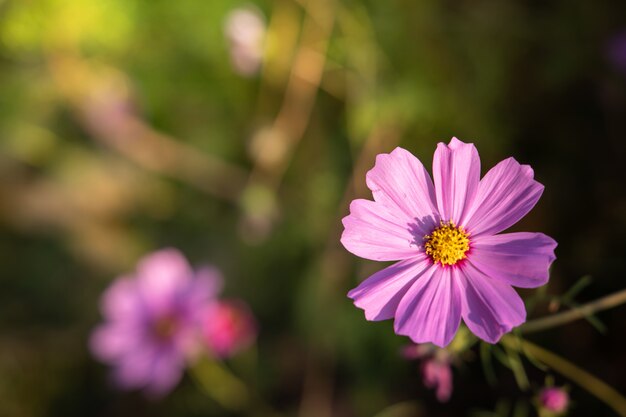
(228, 327)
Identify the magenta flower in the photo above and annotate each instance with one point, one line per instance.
(553, 399)
(229, 327)
(153, 320)
(452, 263)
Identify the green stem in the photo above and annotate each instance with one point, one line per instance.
(584, 379)
(217, 380)
(583, 311)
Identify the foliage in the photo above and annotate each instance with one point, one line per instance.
(124, 128)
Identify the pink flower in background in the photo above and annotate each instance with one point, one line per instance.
(152, 321)
(411, 352)
(437, 375)
(228, 327)
(554, 400)
(453, 264)
(245, 32)
(435, 368)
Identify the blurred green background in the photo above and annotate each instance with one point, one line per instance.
(125, 128)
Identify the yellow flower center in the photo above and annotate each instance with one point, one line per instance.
(447, 244)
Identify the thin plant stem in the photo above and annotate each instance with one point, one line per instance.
(583, 311)
(582, 378)
(304, 81)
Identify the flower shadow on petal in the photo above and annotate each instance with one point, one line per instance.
(421, 228)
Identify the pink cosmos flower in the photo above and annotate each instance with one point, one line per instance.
(152, 321)
(228, 328)
(554, 400)
(452, 263)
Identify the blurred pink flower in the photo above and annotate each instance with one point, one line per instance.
(228, 327)
(245, 31)
(413, 351)
(437, 375)
(554, 400)
(453, 263)
(152, 321)
(436, 370)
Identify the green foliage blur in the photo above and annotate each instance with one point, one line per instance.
(125, 128)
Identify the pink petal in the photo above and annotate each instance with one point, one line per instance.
(505, 194)
(380, 294)
(491, 308)
(121, 300)
(166, 373)
(400, 182)
(209, 281)
(430, 311)
(109, 342)
(134, 369)
(373, 232)
(161, 275)
(456, 171)
(153, 368)
(519, 259)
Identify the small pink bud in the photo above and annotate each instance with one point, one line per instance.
(228, 328)
(554, 399)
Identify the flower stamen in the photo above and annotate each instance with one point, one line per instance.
(447, 244)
